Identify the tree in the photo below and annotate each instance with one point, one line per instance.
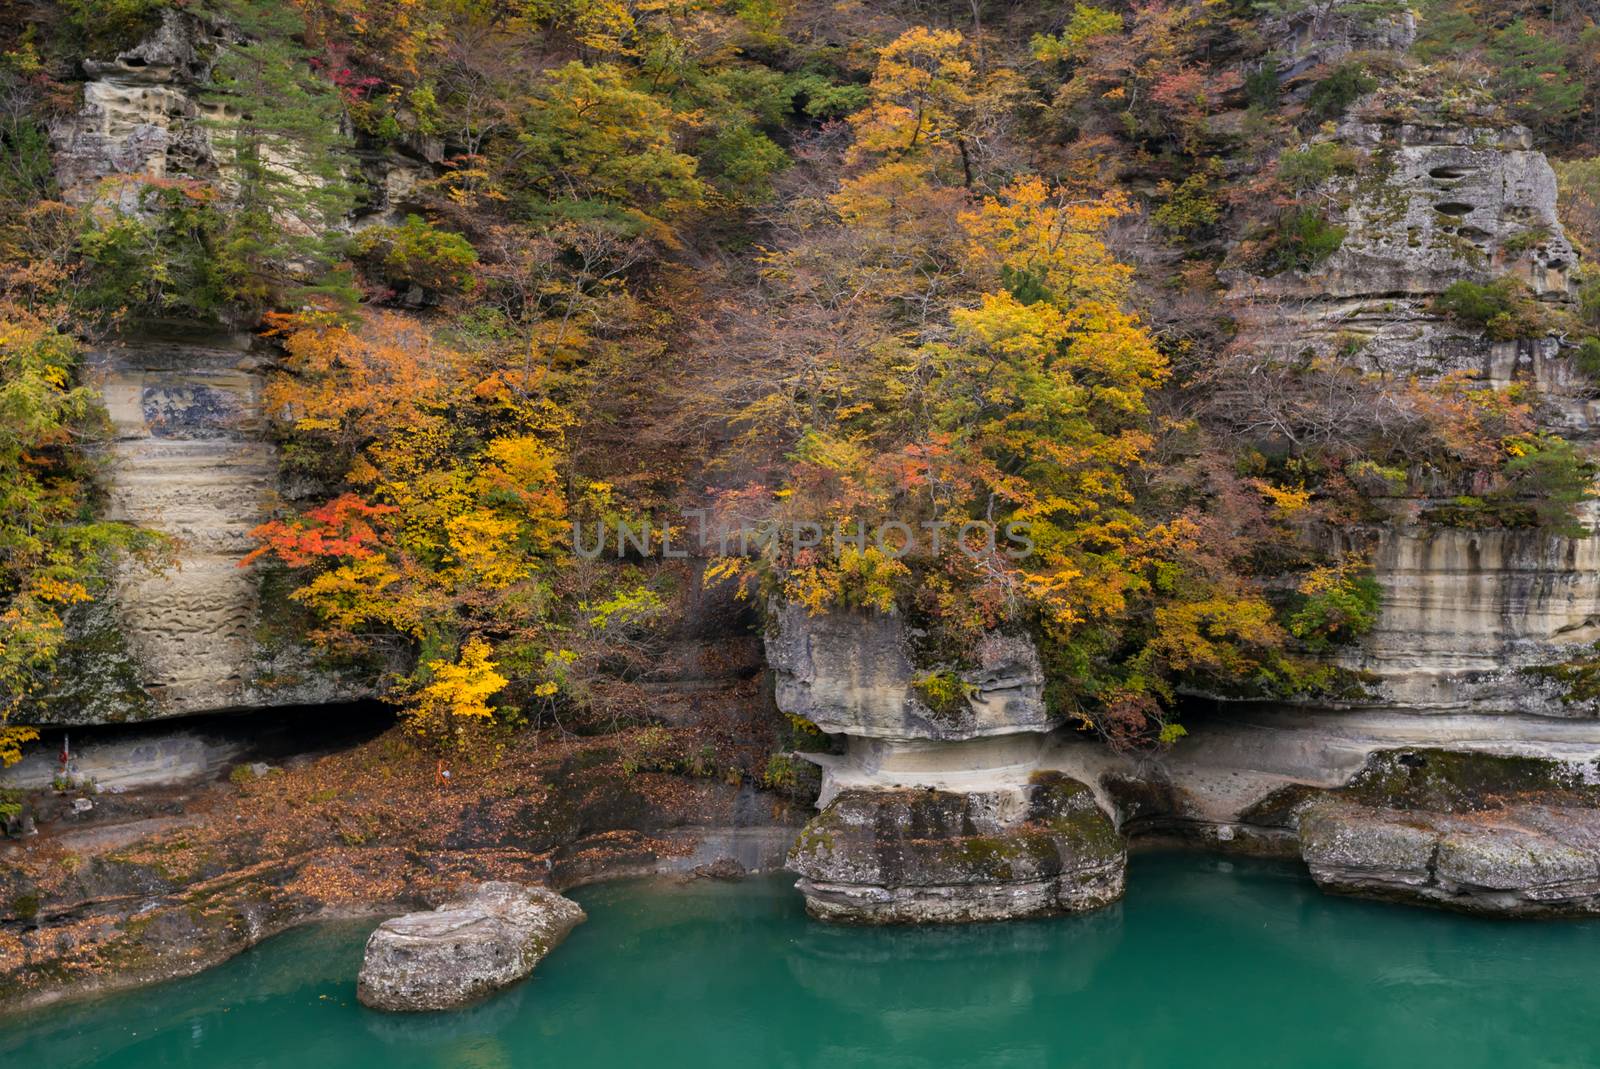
(286, 162)
(53, 554)
(930, 103)
(590, 146)
(441, 558)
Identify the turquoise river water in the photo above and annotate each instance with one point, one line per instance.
(1206, 963)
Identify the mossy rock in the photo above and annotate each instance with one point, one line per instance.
(932, 838)
(97, 677)
(1463, 781)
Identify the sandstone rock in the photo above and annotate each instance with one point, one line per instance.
(853, 673)
(1464, 611)
(1445, 193)
(189, 458)
(1440, 198)
(1324, 32)
(464, 949)
(1522, 860)
(925, 856)
(141, 114)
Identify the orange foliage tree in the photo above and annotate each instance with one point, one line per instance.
(442, 555)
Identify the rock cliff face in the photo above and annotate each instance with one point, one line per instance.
(1465, 613)
(978, 806)
(1318, 34)
(141, 115)
(190, 458)
(934, 815)
(1438, 198)
(1441, 193)
(1463, 779)
(1466, 781)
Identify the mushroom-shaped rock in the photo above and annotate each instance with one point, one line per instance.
(464, 949)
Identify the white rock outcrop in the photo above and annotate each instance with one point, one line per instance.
(141, 117)
(935, 815)
(190, 458)
(465, 949)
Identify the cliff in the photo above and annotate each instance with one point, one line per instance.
(627, 293)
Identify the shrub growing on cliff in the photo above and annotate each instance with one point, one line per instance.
(1540, 482)
(1330, 97)
(106, 27)
(1190, 209)
(1587, 358)
(1306, 169)
(417, 253)
(1502, 309)
(1552, 475)
(592, 146)
(945, 692)
(1336, 606)
(1303, 240)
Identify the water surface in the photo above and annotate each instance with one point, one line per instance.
(1207, 963)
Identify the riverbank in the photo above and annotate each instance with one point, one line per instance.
(92, 907)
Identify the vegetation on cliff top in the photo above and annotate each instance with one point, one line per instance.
(791, 263)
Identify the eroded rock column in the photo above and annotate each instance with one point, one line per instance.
(936, 812)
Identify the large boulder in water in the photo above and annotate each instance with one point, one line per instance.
(910, 856)
(1519, 860)
(464, 949)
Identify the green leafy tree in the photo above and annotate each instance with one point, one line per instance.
(592, 146)
(286, 161)
(54, 554)
(1533, 76)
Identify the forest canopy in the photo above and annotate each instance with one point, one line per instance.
(526, 263)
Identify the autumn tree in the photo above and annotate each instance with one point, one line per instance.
(54, 555)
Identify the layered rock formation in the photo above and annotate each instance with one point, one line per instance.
(919, 856)
(853, 674)
(1441, 191)
(1492, 813)
(190, 458)
(1466, 613)
(1438, 197)
(142, 116)
(465, 949)
(937, 810)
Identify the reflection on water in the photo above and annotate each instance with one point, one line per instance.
(1206, 963)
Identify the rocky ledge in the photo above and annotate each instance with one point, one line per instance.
(1502, 834)
(1522, 860)
(465, 949)
(925, 856)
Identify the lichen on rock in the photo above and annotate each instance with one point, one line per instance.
(465, 949)
(926, 856)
